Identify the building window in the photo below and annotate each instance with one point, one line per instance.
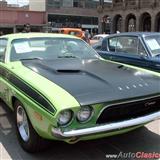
(91, 4)
(75, 4)
(119, 24)
(72, 21)
(131, 25)
(118, 1)
(54, 3)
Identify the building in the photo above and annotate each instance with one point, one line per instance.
(37, 5)
(13, 18)
(130, 15)
(106, 16)
(73, 13)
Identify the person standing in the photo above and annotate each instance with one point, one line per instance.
(1, 33)
(26, 28)
(86, 36)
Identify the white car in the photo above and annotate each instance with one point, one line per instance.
(97, 38)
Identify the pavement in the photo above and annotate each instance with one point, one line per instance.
(145, 139)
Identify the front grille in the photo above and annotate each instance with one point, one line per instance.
(130, 110)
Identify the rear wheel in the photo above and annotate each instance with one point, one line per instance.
(27, 136)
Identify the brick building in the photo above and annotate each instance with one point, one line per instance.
(130, 15)
(13, 17)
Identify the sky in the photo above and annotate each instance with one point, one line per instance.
(20, 2)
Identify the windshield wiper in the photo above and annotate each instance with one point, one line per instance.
(35, 58)
(67, 56)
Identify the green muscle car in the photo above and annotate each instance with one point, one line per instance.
(60, 89)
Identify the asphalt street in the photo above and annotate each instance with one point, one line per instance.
(145, 139)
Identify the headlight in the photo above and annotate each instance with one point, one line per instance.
(65, 117)
(84, 113)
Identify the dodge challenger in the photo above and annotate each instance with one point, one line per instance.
(60, 89)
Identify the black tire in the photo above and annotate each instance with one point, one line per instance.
(34, 143)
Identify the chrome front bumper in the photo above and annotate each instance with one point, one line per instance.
(107, 127)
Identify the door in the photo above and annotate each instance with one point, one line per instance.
(129, 50)
(3, 87)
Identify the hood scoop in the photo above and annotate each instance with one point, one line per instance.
(68, 71)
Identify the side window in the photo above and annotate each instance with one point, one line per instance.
(3, 45)
(98, 48)
(127, 44)
(112, 44)
(141, 49)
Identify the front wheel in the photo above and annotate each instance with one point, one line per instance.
(27, 136)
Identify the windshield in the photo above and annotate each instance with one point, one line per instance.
(50, 48)
(153, 42)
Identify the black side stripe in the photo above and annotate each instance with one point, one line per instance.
(31, 93)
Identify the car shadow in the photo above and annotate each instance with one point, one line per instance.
(138, 140)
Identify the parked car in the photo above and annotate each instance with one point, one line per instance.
(139, 49)
(71, 31)
(60, 89)
(97, 38)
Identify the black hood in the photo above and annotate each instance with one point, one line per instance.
(96, 81)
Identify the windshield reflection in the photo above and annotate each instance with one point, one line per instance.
(50, 48)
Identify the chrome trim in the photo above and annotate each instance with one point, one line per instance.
(108, 127)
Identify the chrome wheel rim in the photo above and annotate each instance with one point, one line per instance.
(22, 123)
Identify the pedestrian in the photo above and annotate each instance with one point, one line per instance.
(1, 33)
(26, 28)
(86, 36)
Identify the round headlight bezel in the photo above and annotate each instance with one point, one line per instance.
(83, 109)
(62, 113)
